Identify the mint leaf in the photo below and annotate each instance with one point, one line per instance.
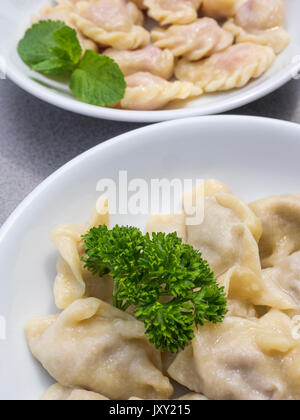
(68, 43)
(98, 80)
(50, 47)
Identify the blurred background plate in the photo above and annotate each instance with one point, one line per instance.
(15, 17)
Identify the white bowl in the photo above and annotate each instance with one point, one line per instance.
(254, 156)
(15, 16)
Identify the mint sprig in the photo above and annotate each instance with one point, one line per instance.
(52, 48)
(98, 80)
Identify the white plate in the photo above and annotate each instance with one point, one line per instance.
(255, 157)
(15, 16)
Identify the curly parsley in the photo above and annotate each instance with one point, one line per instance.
(167, 282)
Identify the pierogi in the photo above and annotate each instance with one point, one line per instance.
(95, 351)
(215, 45)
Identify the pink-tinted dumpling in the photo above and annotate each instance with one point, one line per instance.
(148, 92)
(261, 14)
(228, 69)
(173, 11)
(192, 41)
(117, 15)
(149, 59)
(113, 23)
(261, 22)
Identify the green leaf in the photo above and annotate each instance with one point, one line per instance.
(170, 286)
(50, 47)
(98, 80)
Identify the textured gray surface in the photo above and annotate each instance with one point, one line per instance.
(37, 138)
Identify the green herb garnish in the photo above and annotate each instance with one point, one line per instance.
(52, 48)
(167, 282)
(98, 80)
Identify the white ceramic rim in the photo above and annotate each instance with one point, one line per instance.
(129, 137)
(82, 108)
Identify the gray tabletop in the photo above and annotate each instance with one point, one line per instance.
(37, 138)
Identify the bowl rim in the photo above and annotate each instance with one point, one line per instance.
(132, 136)
(71, 104)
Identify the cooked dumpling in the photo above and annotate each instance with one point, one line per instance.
(63, 13)
(112, 15)
(220, 8)
(73, 281)
(277, 38)
(280, 216)
(111, 22)
(173, 11)
(58, 392)
(260, 14)
(149, 59)
(148, 92)
(232, 68)
(167, 223)
(94, 346)
(194, 41)
(245, 289)
(227, 239)
(261, 22)
(229, 232)
(245, 359)
(286, 275)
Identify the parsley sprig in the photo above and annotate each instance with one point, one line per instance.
(52, 48)
(167, 282)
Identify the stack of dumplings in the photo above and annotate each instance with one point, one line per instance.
(178, 49)
(94, 351)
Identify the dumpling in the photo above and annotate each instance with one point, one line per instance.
(173, 11)
(58, 392)
(280, 216)
(277, 38)
(112, 15)
(286, 275)
(73, 281)
(192, 41)
(219, 9)
(148, 92)
(167, 223)
(149, 59)
(63, 13)
(232, 68)
(260, 14)
(246, 360)
(228, 239)
(245, 290)
(94, 346)
(229, 232)
(115, 23)
(261, 22)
